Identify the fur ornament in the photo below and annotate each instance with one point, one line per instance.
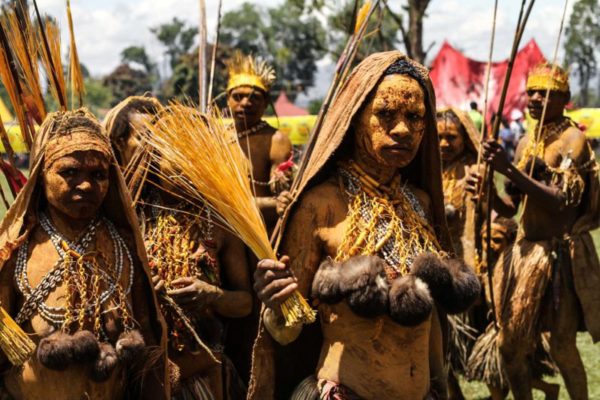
(105, 364)
(130, 346)
(364, 284)
(59, 350)
(326, 283)
(410, 301)
(452, 284)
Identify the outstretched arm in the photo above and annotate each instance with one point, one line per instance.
(548, 196)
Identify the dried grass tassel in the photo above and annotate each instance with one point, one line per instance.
(15, 343)
(210, 168)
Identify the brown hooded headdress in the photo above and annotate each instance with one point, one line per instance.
(424, 172)
(471, 134)
(63, 133)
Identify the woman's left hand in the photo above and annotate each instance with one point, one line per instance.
(194, 292)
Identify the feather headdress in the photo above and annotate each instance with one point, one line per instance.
(247, 71)
(547, 76)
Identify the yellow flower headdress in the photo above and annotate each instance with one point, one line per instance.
(548, 77)
(246, 71)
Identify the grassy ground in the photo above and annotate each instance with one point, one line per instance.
(589, 351)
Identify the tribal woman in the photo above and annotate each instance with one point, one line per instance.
(74, 274)
(201, 274)
(367, 242)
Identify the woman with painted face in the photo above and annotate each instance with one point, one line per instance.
(74, 274)
(366, 232)
(458, 146)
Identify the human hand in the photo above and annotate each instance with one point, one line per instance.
(159, 284)
(274, 282)
(194, 292)
(473, 183)
(283, 201)
(495, 155)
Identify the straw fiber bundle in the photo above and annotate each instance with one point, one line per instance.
(209, 167)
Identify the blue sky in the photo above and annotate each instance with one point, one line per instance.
(104, 27)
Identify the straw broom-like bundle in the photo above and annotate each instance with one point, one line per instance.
(213, 170)
(14, 342)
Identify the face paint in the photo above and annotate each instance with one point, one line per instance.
(452, 141)
(247, 105)
(390, 126)
(76, 184)
(127, 146)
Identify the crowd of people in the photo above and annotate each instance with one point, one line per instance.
(130, 292)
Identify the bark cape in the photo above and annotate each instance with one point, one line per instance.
(22, 217)
(268, 368)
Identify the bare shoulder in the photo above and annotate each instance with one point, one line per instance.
(321, 200)
(574, 142)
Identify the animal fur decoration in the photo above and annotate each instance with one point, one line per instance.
(105, 364)
(59, 350)
(453, 286)
(364, 285)
(361, 280)
(326, 283)
(410, 301)
(130, 346)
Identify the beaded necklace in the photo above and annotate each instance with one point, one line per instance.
(537, 148)
(385, 221)
(171, 238)
(251, 131)
(89, 277)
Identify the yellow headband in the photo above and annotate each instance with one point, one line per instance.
(547, 77)
(246, 71)
(236, 81)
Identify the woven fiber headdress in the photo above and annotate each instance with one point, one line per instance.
(247, 71)
(548, 77)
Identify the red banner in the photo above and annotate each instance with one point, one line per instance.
(458, 80)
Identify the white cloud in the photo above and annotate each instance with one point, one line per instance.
(104, 27)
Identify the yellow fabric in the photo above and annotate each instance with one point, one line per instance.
(4, 113)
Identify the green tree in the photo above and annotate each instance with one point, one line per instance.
(125, 81)
(287, 36)
(138, 55)
(581, 44)
(386, 36)
(244, 29)
(98, 97)
(176, 37)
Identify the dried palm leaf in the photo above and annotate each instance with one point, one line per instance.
(22, 41)
(49, 37)
(208, 166)
(10, 79)
(77, 85)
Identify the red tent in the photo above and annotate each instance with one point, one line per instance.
(458, 80)
(285, 108)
